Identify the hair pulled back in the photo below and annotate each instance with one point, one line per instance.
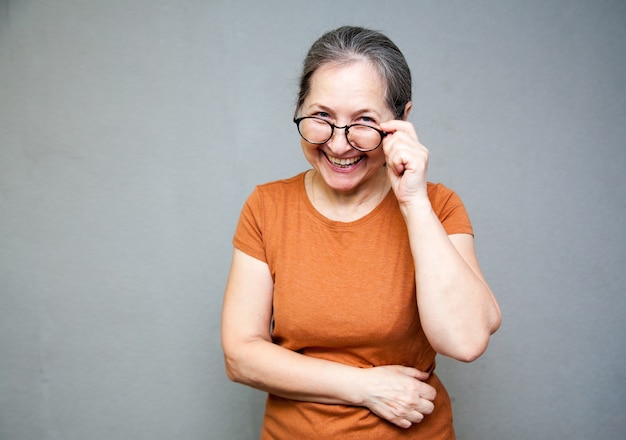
(350, 43)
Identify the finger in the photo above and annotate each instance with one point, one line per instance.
(402, 423)
(397, 165)
(402, 149)
(416, 416)
(410, 418)
(395, 125)
(424, 407)
(395, 415)
(428, 392)
(417, 374)
(412, 372)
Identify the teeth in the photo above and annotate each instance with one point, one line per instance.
(344, 162)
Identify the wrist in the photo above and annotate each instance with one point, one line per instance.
(420, 207)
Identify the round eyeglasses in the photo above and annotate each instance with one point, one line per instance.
(318, 131)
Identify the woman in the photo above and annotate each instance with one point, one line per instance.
(349, 278)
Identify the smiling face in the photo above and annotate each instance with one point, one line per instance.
(343, 95)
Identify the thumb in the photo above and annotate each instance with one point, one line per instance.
(413, 372)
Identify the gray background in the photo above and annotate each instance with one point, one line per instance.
(131, 133)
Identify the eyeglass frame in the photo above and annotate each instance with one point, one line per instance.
(346, 128)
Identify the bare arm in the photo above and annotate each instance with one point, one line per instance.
(458, 311)
(395, 393)
(457, 308)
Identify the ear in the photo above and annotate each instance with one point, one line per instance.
(407, 110)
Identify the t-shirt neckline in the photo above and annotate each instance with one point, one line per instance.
(378, 210)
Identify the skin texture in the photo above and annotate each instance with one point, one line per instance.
(457, 309)
(346, 95)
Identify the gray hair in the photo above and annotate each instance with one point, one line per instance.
(349, 43)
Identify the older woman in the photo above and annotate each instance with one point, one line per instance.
(349, 278)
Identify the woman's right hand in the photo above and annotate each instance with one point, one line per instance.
(398, 394)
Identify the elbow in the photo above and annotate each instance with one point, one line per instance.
(474, 346)
(233, 368)
(231, 362)
(467, 353)
(239, 364)
(467, 348)
(470, 354)
(231, 371)
(495, 322)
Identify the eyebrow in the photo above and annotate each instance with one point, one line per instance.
(357, 112)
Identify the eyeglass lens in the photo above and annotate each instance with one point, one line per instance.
(318, 131)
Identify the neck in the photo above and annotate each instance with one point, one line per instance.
(346, 206)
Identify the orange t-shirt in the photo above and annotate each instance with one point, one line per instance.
(344, 291)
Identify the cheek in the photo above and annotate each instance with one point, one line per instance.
(306, 147)
(377, 157)
(311, 152)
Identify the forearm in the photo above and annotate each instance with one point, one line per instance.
(395, 393)
(251, 357)
(457, 309)
(280, 371)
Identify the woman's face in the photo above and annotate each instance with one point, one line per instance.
(345, 95)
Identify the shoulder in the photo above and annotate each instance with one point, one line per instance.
(277, 194)
(291, 184)
(265, 215)
(439, 194)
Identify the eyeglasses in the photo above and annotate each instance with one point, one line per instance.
(318, 131)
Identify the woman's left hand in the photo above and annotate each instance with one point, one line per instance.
(407, 161)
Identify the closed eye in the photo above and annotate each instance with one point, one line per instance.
(366, 120)
(322, 115)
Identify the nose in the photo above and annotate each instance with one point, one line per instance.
(338, 142)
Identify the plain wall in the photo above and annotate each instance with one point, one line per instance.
(131, 133)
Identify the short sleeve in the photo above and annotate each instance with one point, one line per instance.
(450, 210)
(248, 236)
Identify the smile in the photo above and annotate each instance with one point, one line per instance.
(344, 163)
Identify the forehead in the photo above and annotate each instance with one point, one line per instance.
(357, 82)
